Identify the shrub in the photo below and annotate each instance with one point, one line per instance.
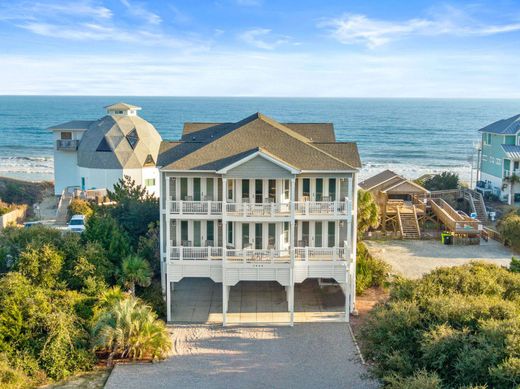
(515, 265)
(509, 228)
(135, 271)
(455, 327)
(367, 213)
(12, 378)
(41, 265)
(130, 329)
(153, 296)
(370, 271)
(419, 380)
(80, 207)
(443, 181)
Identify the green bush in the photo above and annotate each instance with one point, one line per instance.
(370, 271)
(459, 326)
(80, 207)
(515, 265)
(509, 228)
(443, 181)
(127, 328)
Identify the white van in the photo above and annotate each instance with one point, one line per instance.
(77, 223)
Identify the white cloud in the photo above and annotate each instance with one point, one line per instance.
(427, 74)
(262, 38)
(360, 29)
(139, 10)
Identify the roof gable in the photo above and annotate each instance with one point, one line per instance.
(509, 126)
(218, 145)
(248, 160)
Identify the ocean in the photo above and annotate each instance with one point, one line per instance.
(410, 136)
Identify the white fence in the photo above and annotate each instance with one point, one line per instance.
(258, 209)
(13, 217)
(196, 207)
(323, 208)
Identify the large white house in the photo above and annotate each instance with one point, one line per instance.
(96, 154)
(259, 200)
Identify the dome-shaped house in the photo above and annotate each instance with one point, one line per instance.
(96, 154)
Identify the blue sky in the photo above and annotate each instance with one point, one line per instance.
(261, 48)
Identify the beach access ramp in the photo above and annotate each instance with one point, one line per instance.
(453, 220)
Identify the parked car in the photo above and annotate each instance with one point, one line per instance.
(77, 223)
(32, 224)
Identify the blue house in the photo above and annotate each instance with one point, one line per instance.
(500, 159)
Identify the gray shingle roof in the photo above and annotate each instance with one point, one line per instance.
(390, 182)
(378, 179)
(213, 146)
(512, 151)
(505, 126)
(73, 125)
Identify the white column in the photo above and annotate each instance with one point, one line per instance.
(348, 299)
(353, 243)
(162, 229)
(290, 301)
(225, 300)
(168, 216)
(169, 286)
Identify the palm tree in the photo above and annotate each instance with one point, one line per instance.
(512, 180)
(135, 271)
(130, 329)
(368, 212)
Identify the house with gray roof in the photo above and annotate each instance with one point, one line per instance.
(258, 200)
(96, 154)
(500, 159)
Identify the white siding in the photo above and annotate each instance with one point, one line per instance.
(258, 167)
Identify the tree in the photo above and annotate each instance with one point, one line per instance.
(367, 213)
(512, 180)
(134, 208)
(105, 230)
(514, 266)
(41, 265)
(80, 207)
(130, 329)
(443, 181)
(135, 271)
(509, 228)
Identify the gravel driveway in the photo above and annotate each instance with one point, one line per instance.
(206, 356)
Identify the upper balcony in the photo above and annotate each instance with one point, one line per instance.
(302, 209)
(67, 144)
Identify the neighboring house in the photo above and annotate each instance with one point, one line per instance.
(96, 154)
(402, 202)
(259, 200)
(500, 158)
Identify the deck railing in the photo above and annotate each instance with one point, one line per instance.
(306, 254)
(335, 208)
(258, 209)
(258, 256)
(320, 254)
(67, 144)
(196, 207)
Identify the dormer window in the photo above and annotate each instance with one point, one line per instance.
(132, 138)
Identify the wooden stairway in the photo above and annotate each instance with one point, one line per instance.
(477, 204)
(63, 208)
(408, 224)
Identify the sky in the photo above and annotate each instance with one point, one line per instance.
(278, 48)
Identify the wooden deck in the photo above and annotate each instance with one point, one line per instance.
(453, 220)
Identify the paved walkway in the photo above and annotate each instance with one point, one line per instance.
(199, 300)
(413, 258)
(205, 356)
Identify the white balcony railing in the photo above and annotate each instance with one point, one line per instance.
(67, 144)
(320, 254)
(259, 256)
(332, 208)
(196, 207)
(258, 209)
(195, 253)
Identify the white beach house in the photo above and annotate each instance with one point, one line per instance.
(96, 154)
(259, 200)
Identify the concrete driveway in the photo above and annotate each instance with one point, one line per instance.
(211, 356)
(413, 258)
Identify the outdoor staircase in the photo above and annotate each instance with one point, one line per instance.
(477, 204)
(63, 208)
(408, 224)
